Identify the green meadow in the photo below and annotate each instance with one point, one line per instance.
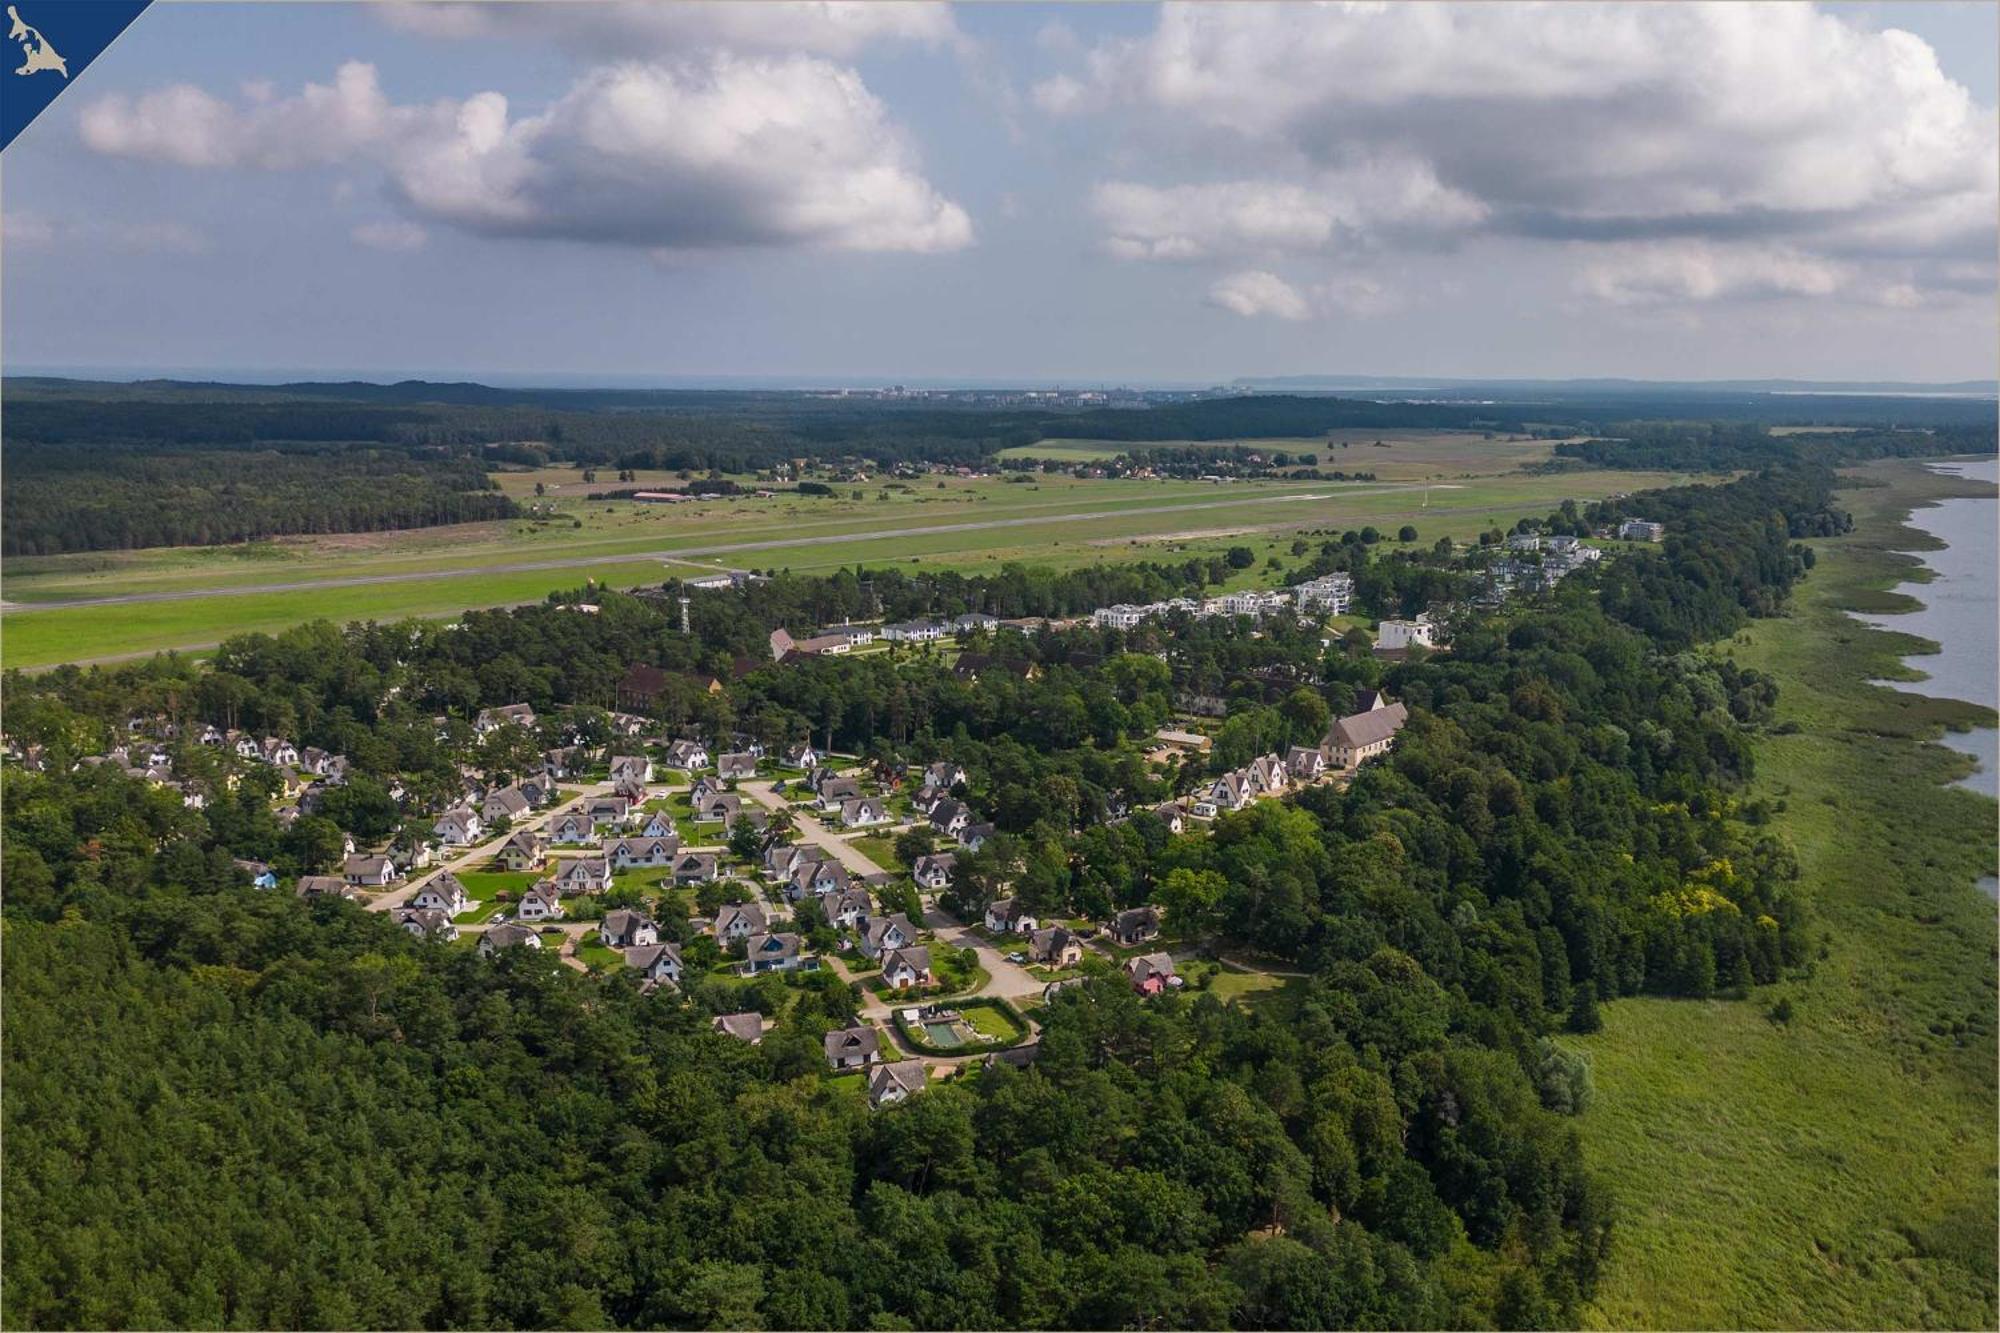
(1059, 522)
(1830, 1162)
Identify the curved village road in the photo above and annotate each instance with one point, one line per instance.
(726, 548)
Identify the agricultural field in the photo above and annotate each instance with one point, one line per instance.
(1822, 1155)
(133, 603)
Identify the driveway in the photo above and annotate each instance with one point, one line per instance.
(1010, 981)
(811, 830)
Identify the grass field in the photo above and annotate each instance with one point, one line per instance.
(1338, 450)
(1838, 1170)
(599, 956)
(1231, 984)
(992, 1023)
(1069, 451)
(1054, 521)
(879, 848)
(483, 884)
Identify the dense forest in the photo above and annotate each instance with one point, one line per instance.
(76, 498)
(1718, 446)
(223, 1106)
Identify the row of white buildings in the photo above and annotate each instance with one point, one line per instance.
(1330, 594)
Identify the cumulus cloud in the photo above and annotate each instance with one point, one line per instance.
(1345, 207)
(395, 237)
(189, 127)
(1758, 148)
(625, 30)
(719, 151)
(1255, 292)
(1651, 272)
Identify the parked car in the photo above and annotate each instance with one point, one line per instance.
(1017, 957)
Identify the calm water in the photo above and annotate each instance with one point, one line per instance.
(1961, 612)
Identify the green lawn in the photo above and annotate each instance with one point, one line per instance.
(879, 848)
(993, 1024)
(952, 981)
(1231, 984)
(643, 880)
(1839, 1170)
(600, 956)
(483, 884)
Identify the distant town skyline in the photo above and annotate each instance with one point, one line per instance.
(1016, 194)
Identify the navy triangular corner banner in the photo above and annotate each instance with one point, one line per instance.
(49, 43)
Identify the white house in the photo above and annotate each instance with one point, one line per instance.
(368, 871)
(896, 1082)
(883, 933)
(459, 826)
(687, 755)
(632, 768)
(540, 902)
(508, 803)
(852, 1048)
(656, 962)
(934, 872)
(443, 894)
(864, 812)
(492, 719)
(625, 929)
(626, 853)
(848, 909)
(695, 868)
(739, 921)
(425, 923)
(573, 826)
(1006, 916)
(585, 874)
(506, 937)
(907, 967)
(1402, 634)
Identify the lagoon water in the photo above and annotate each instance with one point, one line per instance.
(1961, 612)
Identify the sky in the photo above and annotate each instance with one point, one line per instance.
(1079, 194)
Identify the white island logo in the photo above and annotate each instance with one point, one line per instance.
(37, 55)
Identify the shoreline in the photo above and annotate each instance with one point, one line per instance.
(1830, 1167)
(1948, 677)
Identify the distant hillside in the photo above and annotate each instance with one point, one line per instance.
(1511, 388)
